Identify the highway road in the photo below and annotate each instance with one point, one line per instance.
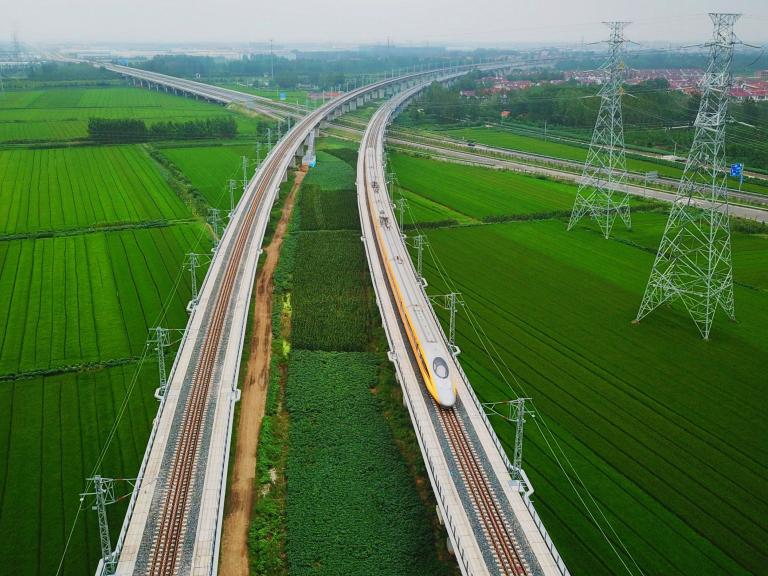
(491, 522)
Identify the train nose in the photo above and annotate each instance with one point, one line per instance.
(446, 394)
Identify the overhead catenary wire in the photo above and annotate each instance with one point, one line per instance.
(131, 386)
(493, 355)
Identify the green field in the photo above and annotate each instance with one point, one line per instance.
(209, 168)
(63, 113)
(92, 241)
(665, 430)
(342, 462)
(351, 505)
(54, 428)
(471, 194)
(56, 189)
(291, 96)
(87, 297)
(492, 136)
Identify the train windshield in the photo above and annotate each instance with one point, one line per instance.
(440, 367)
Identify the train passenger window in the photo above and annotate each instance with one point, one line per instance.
(440, 367)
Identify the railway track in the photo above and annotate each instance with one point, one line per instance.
(486, 507)
(169, 536)
(495, 527)
(168, 539)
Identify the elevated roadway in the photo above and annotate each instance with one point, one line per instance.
(217, 94)
(492, 525)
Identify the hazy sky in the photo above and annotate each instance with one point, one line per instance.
(453, 22)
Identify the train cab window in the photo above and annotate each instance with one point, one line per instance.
(440, 367)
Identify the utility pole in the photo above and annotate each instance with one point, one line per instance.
(258, 155)
(269, 139)
(449, 301)
(213, 218)
(512, 411)
(605, 169)
(245, 172)
(402, 203)
(161, 340)
(193, 263)
(694, 258)
(104, 492)
(232, 195)
(272, 60)
(419, 242)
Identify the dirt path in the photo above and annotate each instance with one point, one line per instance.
(234, 541)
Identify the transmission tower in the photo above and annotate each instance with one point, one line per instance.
(245, 172)
(232, 184)
(606, 168)
(419, 242)
(402, 204)
(694, 258)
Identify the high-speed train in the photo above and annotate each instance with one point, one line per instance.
(429, 348)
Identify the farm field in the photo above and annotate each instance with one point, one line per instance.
(54, 428)
(506, 139)
(664, 429)
(92, 241)
(88, 297)
(471, 194)
(345, 469)
(342, 461)
(56, 189)
(291, 96)
(63, 113)
(209, 168)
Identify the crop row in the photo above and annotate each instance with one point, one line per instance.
(75, 299)
(52, 189)
(53, 429)
(668, 437)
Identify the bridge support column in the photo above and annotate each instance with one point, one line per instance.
(449, 545)
(285, 177)
(352, 106)
(439, 515)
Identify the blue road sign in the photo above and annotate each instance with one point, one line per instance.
(737, 169)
